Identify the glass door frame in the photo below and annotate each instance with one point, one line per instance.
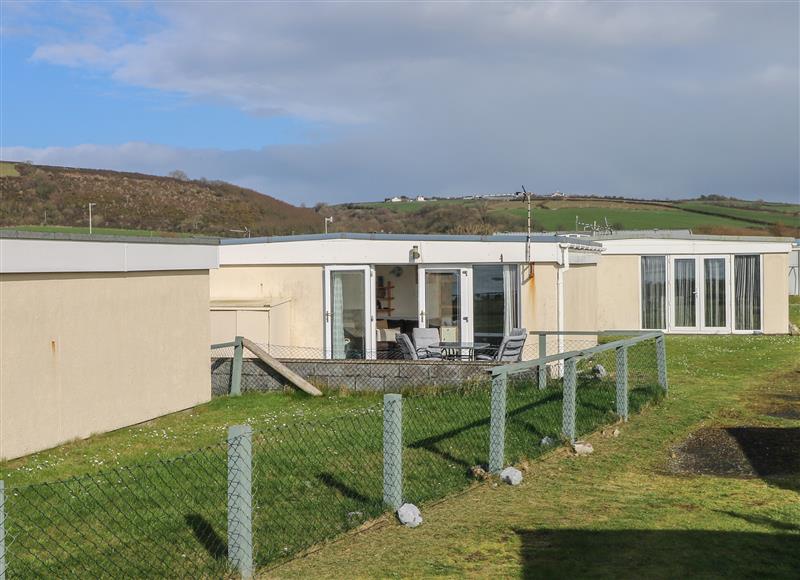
(728, 296)
(671, 284)
(370, 345)
(464, 291)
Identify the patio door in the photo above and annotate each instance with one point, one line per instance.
(684, 295)
(349, 312)
(445, 302)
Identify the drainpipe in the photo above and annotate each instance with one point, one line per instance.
(560, 304)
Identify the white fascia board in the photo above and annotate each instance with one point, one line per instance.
(644, 247)
(31, 256)
(345, 251)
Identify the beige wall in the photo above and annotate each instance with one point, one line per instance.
(295, 318)
(539, 300)
(580, 297)
(88, 353)
(776, 295)
(618, 293)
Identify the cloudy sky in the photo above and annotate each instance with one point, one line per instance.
(351, 101)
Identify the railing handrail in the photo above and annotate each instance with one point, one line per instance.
(521, 366)
(590, 332)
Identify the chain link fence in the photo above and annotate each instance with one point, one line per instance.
(263, 496)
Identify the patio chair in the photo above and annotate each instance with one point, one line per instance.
(510, 349)
(408, 350)
(424, 339)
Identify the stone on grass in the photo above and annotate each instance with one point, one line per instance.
(546, 441)
(599, 371)
(582, 448)
(511, 475)
(478, 472)
(409, 515)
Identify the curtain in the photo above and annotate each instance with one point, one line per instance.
(715, 292)
(510, 293)
(747, 277)
(685, 295)
(654, 283)
(337, 318)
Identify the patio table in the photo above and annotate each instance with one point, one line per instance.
(455, 350)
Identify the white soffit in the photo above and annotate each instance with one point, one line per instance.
(355, 251)
(32, 255)
(665, 246)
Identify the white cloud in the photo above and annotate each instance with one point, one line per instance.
(618, 98)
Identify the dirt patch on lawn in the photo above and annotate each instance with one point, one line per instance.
(738, 452)
(780, 398)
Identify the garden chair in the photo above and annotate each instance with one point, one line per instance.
(510, 349)
(424, 341)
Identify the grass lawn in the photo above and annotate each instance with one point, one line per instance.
(8, 169)
(620, 511)
(317, 472)
(794, 309)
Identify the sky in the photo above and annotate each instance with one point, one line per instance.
(352, 101)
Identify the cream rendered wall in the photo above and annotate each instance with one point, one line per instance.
(539, 300)
(296, 320)
(776, 296)
(580, 297)
(88, 353)
(618, 300)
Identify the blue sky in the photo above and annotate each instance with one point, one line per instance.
(349, 101)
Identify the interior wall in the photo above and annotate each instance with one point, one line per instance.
(89, 353)
(404, 292)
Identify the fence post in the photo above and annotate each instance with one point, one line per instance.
(236, 371)
(542, 367)
(240, 499)
(393, 450)
(661, 357)
(568, 406)
(497, 426)
(2, 530)
(622, 382)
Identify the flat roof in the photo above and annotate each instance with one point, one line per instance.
(408, 238)
(72, 237)
(683, 235)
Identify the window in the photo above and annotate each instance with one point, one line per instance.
(747, 292)
(685, 293)
(654, 294)
(715, 282)
(494, 301)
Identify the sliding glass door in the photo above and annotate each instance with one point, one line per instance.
(715, 293)
(445, 302)
(684, 294)
(654, 292)
(349, 312)
(747, 292)
(495, 298)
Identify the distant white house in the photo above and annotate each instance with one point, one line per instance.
(395, 199)
(556, 194)
(420, 198)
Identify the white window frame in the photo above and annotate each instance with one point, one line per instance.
(672, 327)
(735, 330)
(370, 345)
(465, 295)
(666, 291)
(728, 298)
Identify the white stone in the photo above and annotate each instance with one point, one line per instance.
(546, 441)
(511, 475)
(599, 371)
(409, 515)
(582, 448)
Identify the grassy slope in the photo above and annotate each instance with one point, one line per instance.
(99, 231)
(617, 512)
(554, 214)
